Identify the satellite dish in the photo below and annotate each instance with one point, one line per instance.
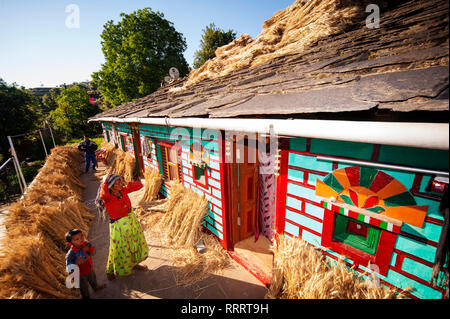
(174, 74)
(168, 79)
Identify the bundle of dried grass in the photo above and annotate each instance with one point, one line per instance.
(109, 151)
(185, 211)
(289, 31)
(302, 272)
(33, 268)
(153, 181)
(194, 266)
(121, 163)
(178, 224)
(33, 264)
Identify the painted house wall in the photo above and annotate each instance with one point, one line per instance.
(214, 219)
(414, 251)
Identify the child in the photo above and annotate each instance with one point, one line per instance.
(80, 254)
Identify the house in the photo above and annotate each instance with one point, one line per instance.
(343, 143)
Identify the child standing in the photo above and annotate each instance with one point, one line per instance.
(80, 254)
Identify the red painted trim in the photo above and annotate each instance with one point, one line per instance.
(301, 227)
(194, 178)
(281, 188)
(404, 254)
(434, 221)
(262, 276)
(307, 170)
(226, 213)
(415, 278)
(304, 214)
(301, 184)
(382, 257)
(375, 152)
(419, 239)
(305, 200)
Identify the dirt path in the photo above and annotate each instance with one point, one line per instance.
(159, 281)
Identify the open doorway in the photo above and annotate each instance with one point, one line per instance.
(251, 247)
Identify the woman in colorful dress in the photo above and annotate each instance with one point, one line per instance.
(127, 246)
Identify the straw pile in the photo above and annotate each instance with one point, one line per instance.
(302, 272)
(289, 31)
(120, 162)
(34, 248)
(153, 181)
(178, 223)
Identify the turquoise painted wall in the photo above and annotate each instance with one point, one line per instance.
(304, 215)
(214, 220)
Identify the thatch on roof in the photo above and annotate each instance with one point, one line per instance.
(307, 63)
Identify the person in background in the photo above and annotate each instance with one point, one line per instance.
(80, 254)
(88, 147)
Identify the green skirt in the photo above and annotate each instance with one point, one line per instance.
(127, 246)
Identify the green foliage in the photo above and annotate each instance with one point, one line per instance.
(19, 113)
(49, 101)
(73, 111)
(212, 38)
(139, 51)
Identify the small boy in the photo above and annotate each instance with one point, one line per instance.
(80, 254)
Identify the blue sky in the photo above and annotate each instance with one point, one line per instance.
(36, 46)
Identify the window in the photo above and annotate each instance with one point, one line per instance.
(147, 147)
(358, 235)
(170, 162)
(122, 142)
(199, 174)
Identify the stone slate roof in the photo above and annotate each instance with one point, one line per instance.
(401, 67)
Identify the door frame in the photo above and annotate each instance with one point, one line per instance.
(231, 179)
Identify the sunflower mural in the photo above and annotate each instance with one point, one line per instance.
(372, 190)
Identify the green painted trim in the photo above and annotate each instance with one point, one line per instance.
(368, 245)
(158, 155)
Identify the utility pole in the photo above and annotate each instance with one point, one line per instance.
(16, 160)
(51, 132)
(43, 143)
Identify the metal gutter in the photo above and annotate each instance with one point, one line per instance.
(420, 135)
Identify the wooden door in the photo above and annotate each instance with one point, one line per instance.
(138, 150)
(244, 191)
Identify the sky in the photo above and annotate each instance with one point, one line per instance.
(41, 44)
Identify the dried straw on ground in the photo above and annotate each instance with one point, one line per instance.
(178, 223)
(289, 31)
(302, 272)
(33, 263)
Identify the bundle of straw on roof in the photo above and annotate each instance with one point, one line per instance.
(153, 181)
(301, 272)
(33, 263)
(290, 31)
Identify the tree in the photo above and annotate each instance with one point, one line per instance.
(49, 100)
(73, 112)
(139, 51)
(212, 38)
(19, 113)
